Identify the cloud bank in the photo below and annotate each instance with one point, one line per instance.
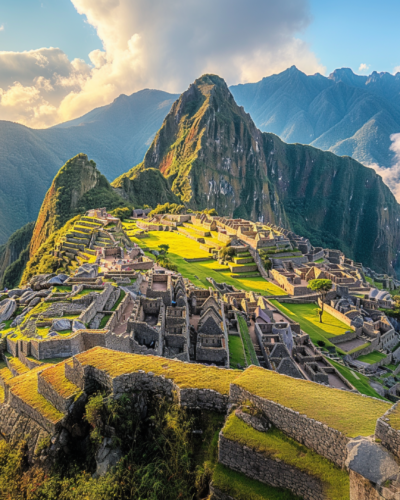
(156, 44)
(391, 175)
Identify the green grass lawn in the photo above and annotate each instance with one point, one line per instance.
(308, 317)
(372, 357)
(359, 381)
(251, 356)
(120, 299)
(241, 487)
(236, 352)
(198, 272)
(373, 283)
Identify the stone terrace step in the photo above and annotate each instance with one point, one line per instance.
(81, 230)
(5, 375)
(79, 241)
(16, 366)
(56, 388)
(22, 394)
(75, 246)
(90, 225)
(93, 220)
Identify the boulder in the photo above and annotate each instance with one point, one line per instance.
(62, 277)
(55, 281)
(27, 296)
(77, 325)
(34, 302)
(371, 460)
(16, 292)
(106, 457)
(61, 324)
(7, 309)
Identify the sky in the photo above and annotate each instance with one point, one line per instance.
(61, 58)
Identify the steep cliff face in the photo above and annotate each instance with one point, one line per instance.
(142, 186)
(13, 256)
(214, 156)
(77, 187)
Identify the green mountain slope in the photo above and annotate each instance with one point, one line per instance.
(77, 187)
(345, 113)
(114, 136)
(14, 255)
(214, 156)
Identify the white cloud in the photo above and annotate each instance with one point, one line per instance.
(391, 175)
(396, 69)
(2, 27)
(363, 67)
(167, 45)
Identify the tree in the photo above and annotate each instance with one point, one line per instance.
(122, 212)
(163, 249)
(322, 287)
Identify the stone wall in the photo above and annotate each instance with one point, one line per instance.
(327, 442)
(97, 305)
(337, 314)
(17, 426)
(21, 407)
(47, 391)
(119, 312)
(262, 468)
(390, 437)
(118, 342)
(339, 339)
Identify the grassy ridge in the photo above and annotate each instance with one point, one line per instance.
(349, 413)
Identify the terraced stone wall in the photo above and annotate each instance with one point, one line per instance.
(261, 468)
(327, 442)
(389, 436)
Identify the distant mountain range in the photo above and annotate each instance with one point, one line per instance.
(115, 136)
(344, 113)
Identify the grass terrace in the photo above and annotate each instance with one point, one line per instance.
(372, 357)
(236, 352)
(184, 375)
(26, 388)
(277, 446)
(349, 413)
(394, 418)
(120, 299)
(55, 376)
(251, 356)
(241, 487)
(308, 317)
(198, 272)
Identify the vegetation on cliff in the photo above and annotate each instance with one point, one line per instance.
(14, 255)
(77, 187)
(161, 456)
(144, 186)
